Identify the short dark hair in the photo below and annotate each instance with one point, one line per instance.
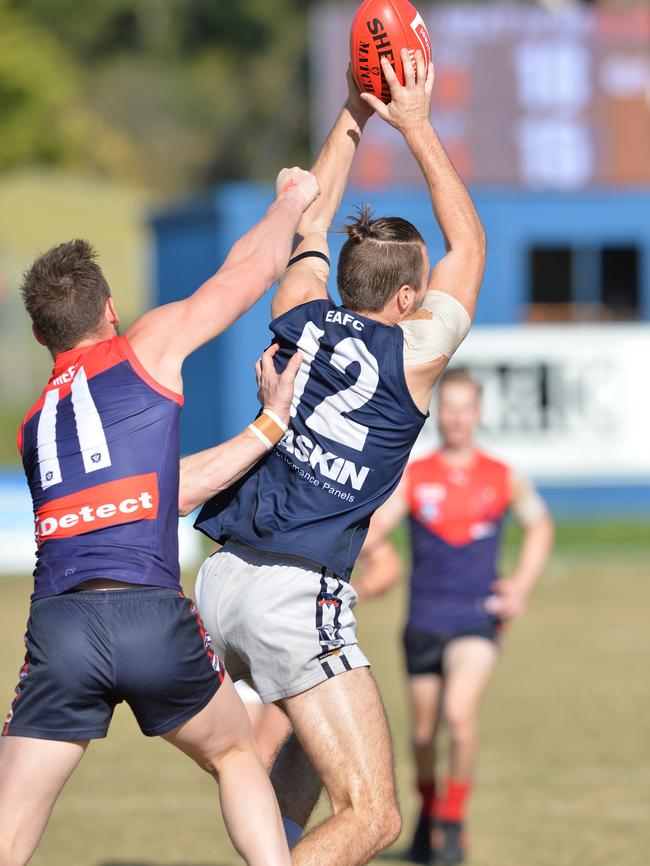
(65, 293)
(379, 256)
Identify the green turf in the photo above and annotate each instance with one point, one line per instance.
(564, 776)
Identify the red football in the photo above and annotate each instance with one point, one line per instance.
(381, 28)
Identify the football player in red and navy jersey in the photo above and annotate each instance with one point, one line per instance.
(108, 620)
(456, 500)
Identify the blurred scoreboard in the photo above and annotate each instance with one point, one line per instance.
(523, 97)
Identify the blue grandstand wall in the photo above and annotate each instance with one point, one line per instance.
(193, 238)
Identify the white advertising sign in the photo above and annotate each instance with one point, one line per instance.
(563, 402)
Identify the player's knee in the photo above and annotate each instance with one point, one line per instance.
(392, 825)
(214, 762)
(423, 735)
(381, 819)
(461, 722)
(386, 825)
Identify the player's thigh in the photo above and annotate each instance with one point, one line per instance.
(469, 663)
(343, 729)
(425, 694)
(221, 727)
(32, 774)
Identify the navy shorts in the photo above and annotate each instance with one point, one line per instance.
(90, 650)
(425, 650)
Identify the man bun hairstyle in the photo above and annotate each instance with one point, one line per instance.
(65, 293)
(378, 257)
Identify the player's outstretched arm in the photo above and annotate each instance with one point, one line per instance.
(208, 472)
(460, 272)
(164, 337)
(529, 510)
(306, 279)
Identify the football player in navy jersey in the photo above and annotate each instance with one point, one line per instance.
(456, 500)
(108, 620)
(276, 597)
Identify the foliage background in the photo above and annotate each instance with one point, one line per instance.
(108, 108)
(167, 93)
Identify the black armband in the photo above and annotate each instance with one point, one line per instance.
(309, 254)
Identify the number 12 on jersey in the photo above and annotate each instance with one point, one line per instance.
(328, 417)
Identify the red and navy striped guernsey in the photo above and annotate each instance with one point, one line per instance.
(100, 450)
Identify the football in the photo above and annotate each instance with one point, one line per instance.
(381, 28)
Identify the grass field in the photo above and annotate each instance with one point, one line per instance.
(564, 776)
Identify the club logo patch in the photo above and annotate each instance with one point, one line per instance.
(327, 599)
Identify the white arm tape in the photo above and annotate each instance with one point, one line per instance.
(263, 439)
(438, 328)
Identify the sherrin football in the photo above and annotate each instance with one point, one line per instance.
(381, 28)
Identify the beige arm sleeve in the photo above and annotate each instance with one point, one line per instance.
(437, 328)
(527, 505)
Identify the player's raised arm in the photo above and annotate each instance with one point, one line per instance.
(164, 337)
(460, 272)
(306, 279)
(435, 332)
(209, 472)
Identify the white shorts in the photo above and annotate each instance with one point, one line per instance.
(277, 619)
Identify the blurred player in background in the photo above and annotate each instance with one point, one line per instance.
(276, 598)
(108, 620)
(456, 500)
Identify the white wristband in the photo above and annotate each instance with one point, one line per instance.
(267, 442)
(284, 427)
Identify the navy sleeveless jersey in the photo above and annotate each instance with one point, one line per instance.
(352, 428)
(101, 454)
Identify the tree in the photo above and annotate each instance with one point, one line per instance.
(170, 92)
(38, 89)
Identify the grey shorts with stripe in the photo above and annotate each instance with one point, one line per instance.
(277, 619)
